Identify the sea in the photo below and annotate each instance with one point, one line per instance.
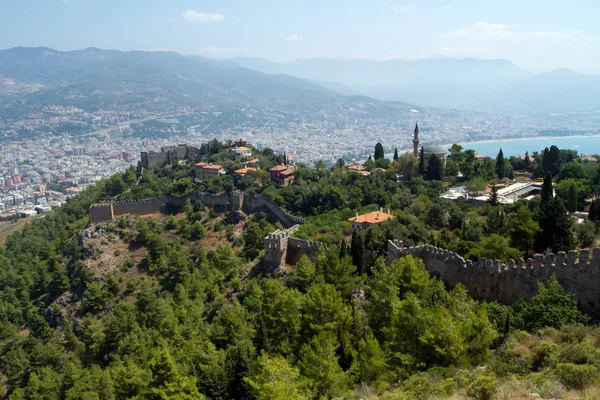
(584, 145)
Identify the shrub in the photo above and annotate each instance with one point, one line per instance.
(483, 387)
(576, 376)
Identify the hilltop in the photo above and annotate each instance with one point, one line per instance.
(179, 303)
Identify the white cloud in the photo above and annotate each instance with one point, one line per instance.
(195, 16)
(294, 37)
(485, 30)
(400, 8)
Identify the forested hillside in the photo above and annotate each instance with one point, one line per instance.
(178, 305)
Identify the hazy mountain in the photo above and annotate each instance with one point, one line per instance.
(95, 78)
(558, 91)
(440, 82)
(494, 85)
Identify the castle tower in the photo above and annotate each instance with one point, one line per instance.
(416, 141)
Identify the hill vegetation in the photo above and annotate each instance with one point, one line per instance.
(177, 305)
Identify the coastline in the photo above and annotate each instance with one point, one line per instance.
(518, 139)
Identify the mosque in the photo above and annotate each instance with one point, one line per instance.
(428, 151)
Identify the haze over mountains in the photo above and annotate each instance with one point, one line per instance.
(490, 85)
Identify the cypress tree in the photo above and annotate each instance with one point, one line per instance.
(593, 214)
(527, 163)
(379, 151)
(547, 190)
(358, 251)
(572, 199)
(284, 159)
(396, 154)
(434, 169)
(500, 164)
(421, 163)
(342, 249)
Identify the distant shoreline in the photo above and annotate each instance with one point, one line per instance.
(518, 139)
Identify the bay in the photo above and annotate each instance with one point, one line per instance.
(584, 145)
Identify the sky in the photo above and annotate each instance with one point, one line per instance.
(534, 34)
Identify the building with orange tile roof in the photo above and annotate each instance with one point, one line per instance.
(282, 174)
(206, 171)
(366, 220)
(243, 171)
(242, 151)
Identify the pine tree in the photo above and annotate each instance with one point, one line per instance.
(572, 199)
(396, 154)
(527, 163)
(284, 159)
(493, 198)
(421, 163)
(379, 151)
(500, 164)
(358, 251)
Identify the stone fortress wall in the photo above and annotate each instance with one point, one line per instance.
(107, 211)
(484, 280)
(507, 282)
(166, 155)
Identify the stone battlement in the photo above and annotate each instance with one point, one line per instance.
(506, 282)
(106, 211)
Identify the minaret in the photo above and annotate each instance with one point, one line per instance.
(416, 141)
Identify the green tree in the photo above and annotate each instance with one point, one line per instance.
(319, 362)
(421, 163)
(493, 197)
(379, 151)
(500, 164)
(357, 247)
(435, 169)
(275, 378)
(572, 199)
(551, 306)
(523, 229)
(547, 189)
(396, 154)
(436, 216)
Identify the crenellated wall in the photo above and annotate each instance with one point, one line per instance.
(296, 248)
(507, 282)
(257, 202)
(276, 246)
(236, 200)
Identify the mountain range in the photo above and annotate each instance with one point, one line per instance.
(483, 85)
(103, 79)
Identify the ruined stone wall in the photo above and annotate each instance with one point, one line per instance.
(256, 203)
(166, 155)
(507, 282)
(139, 207)
(234, 200)
(153, 159)
(296, 248)
(101, 212)
(276, 245)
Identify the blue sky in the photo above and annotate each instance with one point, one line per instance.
(535, 34)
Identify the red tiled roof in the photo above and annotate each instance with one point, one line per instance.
(243, 171)
(278, 168)
(374, 217)
(213, 166)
